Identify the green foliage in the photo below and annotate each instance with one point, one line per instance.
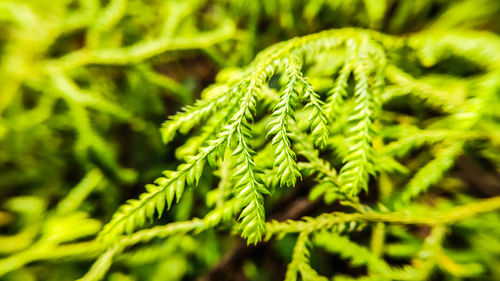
(283, 117)
(383, 112)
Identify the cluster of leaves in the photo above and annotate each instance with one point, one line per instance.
(397, 134)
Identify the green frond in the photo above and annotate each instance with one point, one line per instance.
(305, 148)
(70, 92)
(432, 172)
(338, 93)
(141, 51)
(411, 138)
(167, 83)
(193, 115)
(318, 118)
(409, 85)
(212, 219)
(360, 256)
(109, 17)
(78, 194)
(209, 130)
(359, 161)
(300, 261)
(334, 221)
(158, 251)
(134, 213)
(249, 189)
(477, 46)
(101, 266)
(282, 118)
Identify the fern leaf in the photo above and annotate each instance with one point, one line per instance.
(432, 172)
(318, 119)
(431, 96)
(89, 143)
(281, 119)
(300, 261)
(339, 92)
(193, 115)
(209, 130)
(360, 255)
(101, 266)
(134, 213)
(249, 188)
(359, 162)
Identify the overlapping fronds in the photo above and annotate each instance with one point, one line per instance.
(392, 124)
(366, 54)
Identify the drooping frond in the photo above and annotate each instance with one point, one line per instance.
(338, 93)
(162, 193)
(237, 132)
(318, 118)
(359, 161)
(249, 189)
(232, 107)
(300, 261)
(360, 256)
(282, 119)
(193, 115)
(432, 171)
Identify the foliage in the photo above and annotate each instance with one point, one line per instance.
(364, 147)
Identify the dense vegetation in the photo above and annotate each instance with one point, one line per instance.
(304, 140)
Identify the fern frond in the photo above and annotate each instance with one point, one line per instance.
(300, 261)
(71, 92)
(134, 213)
(411, 138)
(329, 116)
(337, 94)
(76, 196)
(193, 115)
(88, 142)
(360, 255)
(167, 83)
(348, 222)
(140, 51)
(110, 16)
(103, 263)
(212, 219)
(158, 251)
(338, 222)
(101, 266)
(209, 130)
(477, 46)
(359, 162)
(326, 174)
(318, 118)
(430, 95)
(281, 119)
(175, 12)
(305, 148)
(249, 188)
(432, 172)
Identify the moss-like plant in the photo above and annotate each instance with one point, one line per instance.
(366, 65)
(373, 146)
